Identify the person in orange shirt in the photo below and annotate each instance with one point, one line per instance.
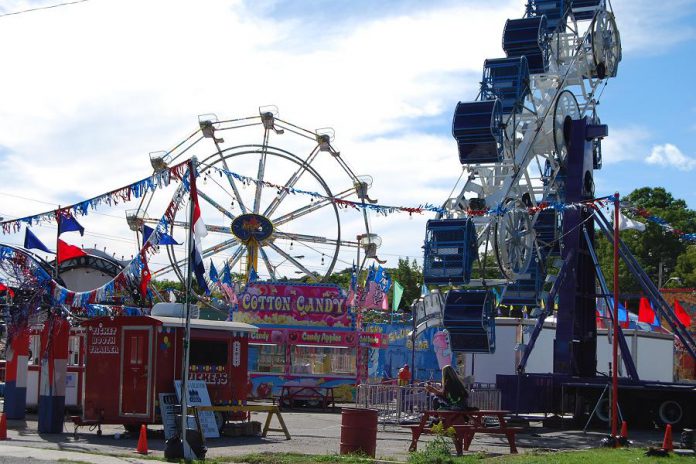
(404, 375)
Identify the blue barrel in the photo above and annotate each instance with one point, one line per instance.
(506, 79)
(527, 37)
(477, 127)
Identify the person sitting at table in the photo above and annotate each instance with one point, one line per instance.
(453, 394)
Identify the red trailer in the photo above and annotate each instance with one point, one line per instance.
(130, 360)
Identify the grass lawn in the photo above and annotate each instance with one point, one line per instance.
(599, 455)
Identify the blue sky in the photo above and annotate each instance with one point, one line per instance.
(90, 89)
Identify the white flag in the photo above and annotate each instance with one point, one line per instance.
(628, 223)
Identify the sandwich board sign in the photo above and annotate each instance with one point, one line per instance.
(198, 396)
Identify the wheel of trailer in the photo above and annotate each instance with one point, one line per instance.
(514, 239)
(606, 45)
(565, 110)
(670, 412)
(603, 411)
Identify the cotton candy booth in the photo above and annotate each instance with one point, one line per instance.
(306, 336)
(129, 361)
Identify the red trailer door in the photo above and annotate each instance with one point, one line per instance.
(135, 376)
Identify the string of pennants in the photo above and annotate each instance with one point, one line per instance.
(644, 213)
(136, 273)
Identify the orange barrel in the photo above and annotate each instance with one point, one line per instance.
(358, 431)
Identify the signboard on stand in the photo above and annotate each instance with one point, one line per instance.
(169, 408)
(198, 396)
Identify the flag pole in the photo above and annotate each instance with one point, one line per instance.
(55, 270)
(615, 378)
(187, 325)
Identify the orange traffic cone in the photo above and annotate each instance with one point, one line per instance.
(142, 441)
(624, 429)
(3, 426)
(667, 442)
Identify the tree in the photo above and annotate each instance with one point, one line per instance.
(410, 276)
(657, 250)
(685, 270)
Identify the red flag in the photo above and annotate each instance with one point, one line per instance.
(145, 276)
(645, 312)
(66, 251)
(682, 315)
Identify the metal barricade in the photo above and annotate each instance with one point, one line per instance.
(484, 396)
(394, 404)
(397, 405)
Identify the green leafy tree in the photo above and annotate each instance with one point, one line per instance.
(410, 276)
(685, 270)
(657, 250)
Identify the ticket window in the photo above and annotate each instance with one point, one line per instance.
(322, 360)
(208, 353)
(266, 358)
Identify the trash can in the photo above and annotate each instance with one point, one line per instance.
(359, 431)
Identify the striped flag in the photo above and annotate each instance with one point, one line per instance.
(198, 231)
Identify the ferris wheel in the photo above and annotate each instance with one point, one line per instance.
(273, 206)
(512, 139)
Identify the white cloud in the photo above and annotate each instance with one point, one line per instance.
(669, 155)
(88, 90)
(624, 144)
(649, 27)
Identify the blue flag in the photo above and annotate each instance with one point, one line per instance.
(67, 223)
(354, 277)
(165, 239)
(31, 241)
(253, 276)
(226, 274)
(424, 290)
(213, 274)
(383, 279)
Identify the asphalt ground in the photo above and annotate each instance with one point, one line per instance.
(312, 433)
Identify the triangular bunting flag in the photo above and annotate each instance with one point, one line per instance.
(66, 251)
(31, 241)
(165, 239)
(682, 315)
(67, 223)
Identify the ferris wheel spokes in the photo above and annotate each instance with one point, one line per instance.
(313, 206)
(290, 259)
(215, 204)
(291, 182)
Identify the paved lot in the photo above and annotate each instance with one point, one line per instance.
(312, 432)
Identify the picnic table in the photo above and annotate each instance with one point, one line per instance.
(466, 425)
(291, 393)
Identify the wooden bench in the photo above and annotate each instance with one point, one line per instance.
(466, 434)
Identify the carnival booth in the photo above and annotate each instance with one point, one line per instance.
(392, 347)
(131, 360)
(306, 336)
